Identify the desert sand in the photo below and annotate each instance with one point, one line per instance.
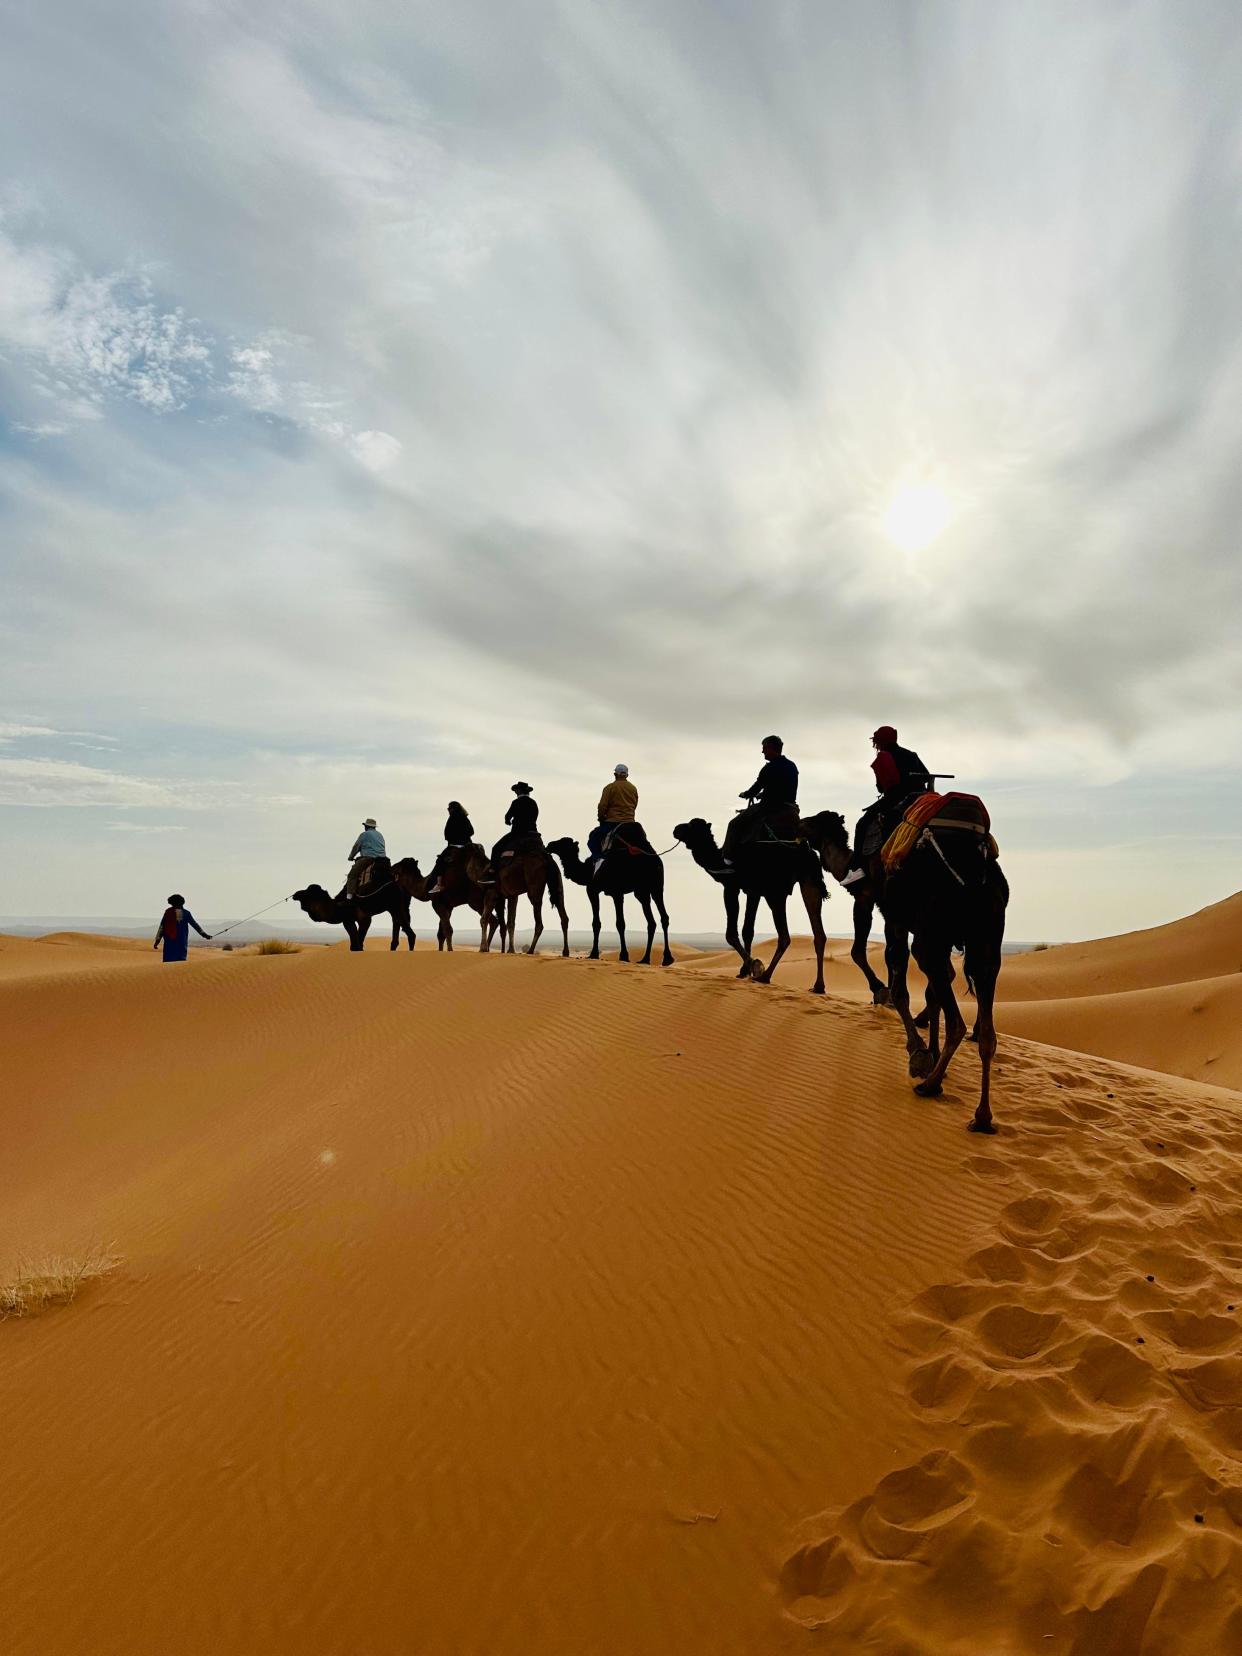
(494, 1305)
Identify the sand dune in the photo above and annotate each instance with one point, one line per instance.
(1167, 999)
(70, 954)
(499, 1305)
(1191, 1029)
(1204, 945)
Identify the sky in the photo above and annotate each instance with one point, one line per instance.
(400, 400)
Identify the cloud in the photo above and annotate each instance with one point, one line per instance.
(85, 339)
(496, 387)
(144, 828)
(12, 732)
(63, 782)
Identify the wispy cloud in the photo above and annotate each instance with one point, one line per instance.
(512, 385)
(85, 339)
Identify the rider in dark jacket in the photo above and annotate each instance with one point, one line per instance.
(899, 773)
(773, 792)
(522, 817)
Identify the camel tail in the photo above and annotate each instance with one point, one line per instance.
(556, 884)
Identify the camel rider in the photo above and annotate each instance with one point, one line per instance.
(773, 793)
(521, 817)
(458, 837)
(366, 848)
(617, 803)
(899, 773)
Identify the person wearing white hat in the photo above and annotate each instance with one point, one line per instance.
(362, 853)
(617, 803)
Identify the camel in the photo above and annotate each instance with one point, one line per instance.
(528, 874)
(629, 868)
(459, 885)
(356, 913)
(766, 872)
(833, 842)
(950, 892)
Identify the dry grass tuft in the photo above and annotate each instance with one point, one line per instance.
(39, 1284)
(276, 945)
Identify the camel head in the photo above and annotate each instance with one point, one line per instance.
(407, 868)
(692, 833)
(566, 849)
(827, 832)
(315, 898)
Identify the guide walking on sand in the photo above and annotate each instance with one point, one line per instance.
(174, 929)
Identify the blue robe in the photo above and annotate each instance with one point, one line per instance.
(177, 946)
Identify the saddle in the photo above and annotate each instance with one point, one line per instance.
(377, 871)
(525, 845)
(626, 836)
(953, 813)
(780, 827)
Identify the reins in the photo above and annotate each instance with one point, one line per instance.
(235, 923)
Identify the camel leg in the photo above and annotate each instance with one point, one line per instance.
(750, 966)
(593, 897)
(813, 897)
(562, 914)
(536, 903)
(403, 920)
(644, 902)
(731, 936)
(362, 926)
(897, 957)
(864, 911)
(658, 896)
(984, 976)
(618, 903)
(780, 915)
(507, 944)
(936, 964)
(396, 933)
(351, 931)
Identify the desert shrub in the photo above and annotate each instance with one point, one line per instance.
(1039, 948)
(276, 945)
(36, 1285)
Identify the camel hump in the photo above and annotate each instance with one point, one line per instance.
(963, 810)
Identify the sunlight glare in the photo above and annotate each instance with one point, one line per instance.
(917, 515)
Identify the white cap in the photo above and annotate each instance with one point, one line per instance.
(620, 770)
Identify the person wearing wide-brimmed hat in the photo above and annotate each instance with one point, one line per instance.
(522, 817)
(366, 848)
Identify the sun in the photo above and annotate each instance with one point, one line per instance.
(917, 515)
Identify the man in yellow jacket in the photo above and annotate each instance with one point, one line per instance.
(617, 803)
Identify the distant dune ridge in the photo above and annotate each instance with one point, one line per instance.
(512, 1306)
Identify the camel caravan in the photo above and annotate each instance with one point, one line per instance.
(926, 861)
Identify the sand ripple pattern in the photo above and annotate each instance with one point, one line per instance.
(1085, 1374)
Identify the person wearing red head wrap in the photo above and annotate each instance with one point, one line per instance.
(899, 772)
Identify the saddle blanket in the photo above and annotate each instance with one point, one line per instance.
(953, 813)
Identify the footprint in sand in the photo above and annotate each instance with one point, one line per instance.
(1215, 1384)
(943, 1386)
(1111, 1373)
(999, 1263)
(1031, 1218)
(1161, 1185)
(906, 1505)
(1189, 1331)
(1173, 1268)
(1015, 1333)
